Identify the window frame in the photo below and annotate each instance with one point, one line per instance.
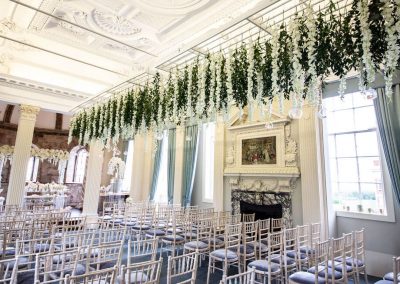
(33, 170)
(74, 159)
(387, 186)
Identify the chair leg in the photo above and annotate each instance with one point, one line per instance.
(209, 270)
(365, 276)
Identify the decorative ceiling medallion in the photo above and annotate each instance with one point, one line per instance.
(170, 7)
(114, 24)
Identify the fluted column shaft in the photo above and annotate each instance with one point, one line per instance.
(22, 153)
(93, 179)
(179, 155)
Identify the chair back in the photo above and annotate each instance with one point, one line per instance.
(396, 269)
(276, 224)
(143, 272)
(359, 246)
(337, 251)
(241, 278)
(248, 217)
(8, 271)
(183, 268)
(100, 276)
(142, 250)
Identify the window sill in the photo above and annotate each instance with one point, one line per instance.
(366, 216)
(207, 201)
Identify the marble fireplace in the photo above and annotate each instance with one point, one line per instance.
(253, 178)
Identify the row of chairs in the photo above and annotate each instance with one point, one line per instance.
(389, 278)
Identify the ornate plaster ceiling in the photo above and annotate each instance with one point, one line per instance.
(88, 46)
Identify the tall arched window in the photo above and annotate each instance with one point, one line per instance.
(76, 167)
(32, 171)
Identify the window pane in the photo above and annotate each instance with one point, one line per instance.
(345, 145)
(29, 170)
(347, 170)
(370, 169)
(361, 100)
(367, 144)
(333, 170)
(341, 121)
(365, 118)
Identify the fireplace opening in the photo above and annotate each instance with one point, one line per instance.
(261, 211)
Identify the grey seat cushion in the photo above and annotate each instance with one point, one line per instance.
(141, 227)
(339, 267)
(307, 250)
(295, 254)
(22, 262)
(157, 233)
(330, 272)
(262, 265)
(196, 245)
(215, 241)
(384, 282)
(351, 261)
(390, 276)
(220, 253)
(7, 251)
(276, 259)
(249, 249)
(171, 238)
(302, 277)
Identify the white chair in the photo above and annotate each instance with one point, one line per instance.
(358, 261)
(8, 271)
(241, 278)
(95, 277)
(182, 268)
(247, 250)
(263, 232)
(276, 224)
(266, 268)
(389, 277)
(229, 255)
(102, 256)
(321, 258)
(141, 273)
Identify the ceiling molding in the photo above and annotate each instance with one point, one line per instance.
(28, 85)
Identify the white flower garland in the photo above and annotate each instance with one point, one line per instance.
(259, 100)
(392, 53)
(229, 86)
(274, 64)
(189, 110)
(298, 72)
(250, 72)
(312, 94)
(219, 82)
(175, 103)
(211, 103)
(202, 90)
(366, 46)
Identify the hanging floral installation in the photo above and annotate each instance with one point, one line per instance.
(116, 166)
(291, 64)
(56, 157)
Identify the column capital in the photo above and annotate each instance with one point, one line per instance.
(28, 112)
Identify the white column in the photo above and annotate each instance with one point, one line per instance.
(93, 179)
(148, 158)
(178, 178)
(22, 153)
(219, 166)
(312, 189)
(137, 168)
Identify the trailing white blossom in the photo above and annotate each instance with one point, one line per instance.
(342, 86)
(250, 72)
(117, 123)
(366, 46)
(298, 77)
(312, 93)
(201, 89)
(218, 72)
(274, 74)
(189, 110)
(175, 102)
(392, 53)
(211, 103)
(259, 98)
(229, 87)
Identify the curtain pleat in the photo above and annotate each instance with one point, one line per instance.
(189, 163)
(388, 119)
(156, 170)
(171, 164)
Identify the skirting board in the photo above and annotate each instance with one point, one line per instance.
(378, 264)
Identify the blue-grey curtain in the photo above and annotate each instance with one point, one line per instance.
(189, 163)
(171, 164)
(388, 118)
(156, 170)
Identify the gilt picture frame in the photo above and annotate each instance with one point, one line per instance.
(259, 151)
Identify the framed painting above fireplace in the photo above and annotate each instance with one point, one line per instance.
(259, 151)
